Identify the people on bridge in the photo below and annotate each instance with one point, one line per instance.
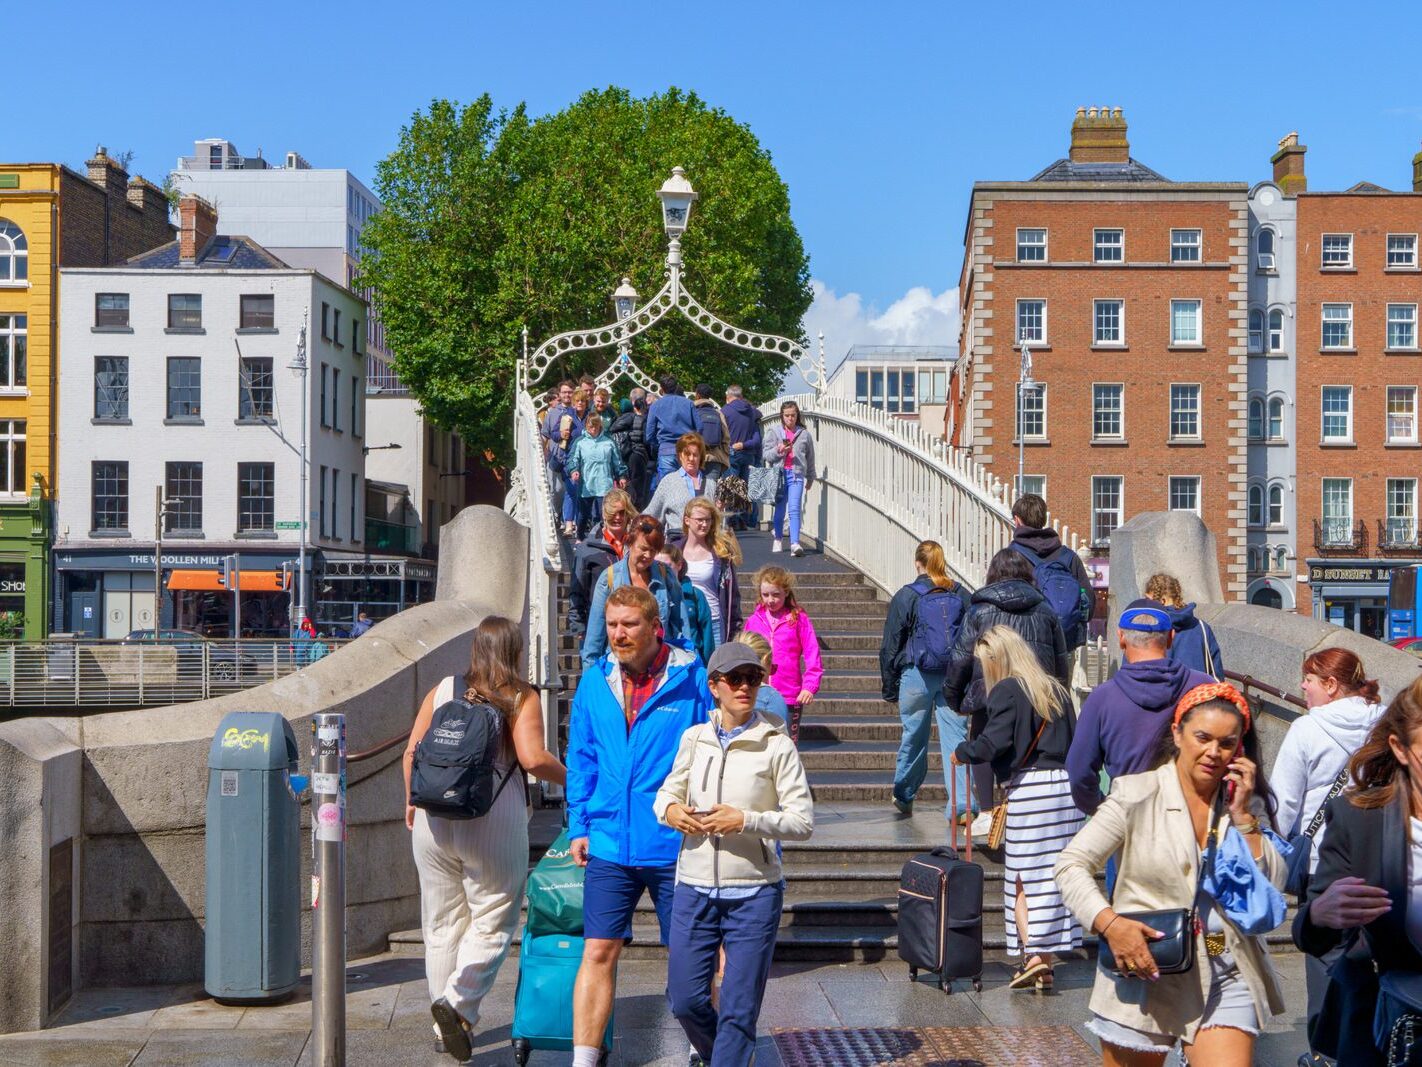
(1364, 904)
(730, 887)
(668, 420)
(712, 555)
(638, 567)
(1030, 719)
(1162, 825)
(715, 434)
(619, 754)
(1125, 719)
(595, 468)
(743, 422)
(628, 432)
(472, 871)
(913, 664)
(361, 625)
(558, 429)
(790, 445)
(688, 481)
(1312, 764)
(1052, 563)
(795, 645)
(699, 625)
(600, 549)
(767, 698)
(1007, 598)
(1194, 643)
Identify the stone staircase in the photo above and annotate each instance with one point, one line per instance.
(840, 899)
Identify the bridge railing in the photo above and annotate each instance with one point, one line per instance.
(134, 674)
(884, 485)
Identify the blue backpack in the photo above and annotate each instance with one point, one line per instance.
(456, 761)
(708, 417)
(1064, 593)
(937, 619)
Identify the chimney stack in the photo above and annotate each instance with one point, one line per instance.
(1417, 173)
(197, 225)
(107, 174)
(1289, 165)
(1098, 135)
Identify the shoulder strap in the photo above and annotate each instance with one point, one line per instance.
(1338, 784)
(1205, 642)
(444, 692)
(1030, 748)
(608, 571)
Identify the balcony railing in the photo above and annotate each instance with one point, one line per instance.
(1397, 535)
(1340, 535)
(383, 536)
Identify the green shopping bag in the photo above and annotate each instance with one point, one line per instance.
(555, 892)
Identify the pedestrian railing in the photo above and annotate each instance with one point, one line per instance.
(144, 673)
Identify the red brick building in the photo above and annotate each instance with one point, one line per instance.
(1130, 291)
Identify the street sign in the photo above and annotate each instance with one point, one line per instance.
(295, 524)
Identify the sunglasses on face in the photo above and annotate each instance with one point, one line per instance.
(747, 676)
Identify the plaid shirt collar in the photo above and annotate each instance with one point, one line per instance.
(637, 689)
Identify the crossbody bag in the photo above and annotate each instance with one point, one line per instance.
(998, 830)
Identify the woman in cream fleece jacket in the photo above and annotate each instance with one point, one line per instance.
(737, 787)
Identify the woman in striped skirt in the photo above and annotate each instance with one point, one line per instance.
(1030, 721)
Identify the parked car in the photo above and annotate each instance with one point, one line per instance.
(227, 665)
(1409, 644)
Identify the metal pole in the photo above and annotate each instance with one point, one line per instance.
(303, 369)
(328, 893)
(157, 560)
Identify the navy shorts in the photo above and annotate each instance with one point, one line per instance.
(611, 892)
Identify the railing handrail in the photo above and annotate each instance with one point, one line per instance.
(1249, 682)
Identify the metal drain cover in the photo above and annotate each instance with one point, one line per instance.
(938, 1046)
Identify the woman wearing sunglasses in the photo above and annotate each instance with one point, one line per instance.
(737, 786)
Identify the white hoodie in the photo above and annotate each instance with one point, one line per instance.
(1314, 751)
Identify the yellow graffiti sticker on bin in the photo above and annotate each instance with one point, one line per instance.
(245, 739)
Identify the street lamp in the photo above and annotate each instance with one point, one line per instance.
(368, 449)
(624, 299)
(298, 366)
(1025, 384)
(677, 196)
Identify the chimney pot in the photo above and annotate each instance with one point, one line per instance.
(197, 225)
(1099, 136)
(1091, 112)
(1289, 165)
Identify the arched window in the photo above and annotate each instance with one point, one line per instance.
(1281, 558)
(1276, 418)
(1264, 246)
(1256, 330)
(14, 253)
(1276, 504)
(1256, 419)
(1276, 330)
(1256, 505)
(1266, 596)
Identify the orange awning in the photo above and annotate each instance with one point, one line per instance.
(206, 581)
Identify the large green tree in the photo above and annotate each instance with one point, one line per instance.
(493, 221)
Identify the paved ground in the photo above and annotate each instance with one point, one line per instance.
(815, 1015)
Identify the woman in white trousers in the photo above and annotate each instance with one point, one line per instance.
(472, 870)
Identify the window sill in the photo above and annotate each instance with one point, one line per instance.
(14, 393)
(1267, 271)
(1032, 442)
(1105, 347)
(1108, 442)
(186, 535)
(1269, 355)
(110, 422)
(111, 329)
(255, 535)
(1402, 444)
(247, 331)
(1414, 351)
(187, 330)
(1182, 346)
(256, 420)
(116, 534)
(1184, 442)
(14, 285)
(183, 422)
(1035, 346)
(1337, 351)
(1402, 270)
(1338, 444)
(1349, 269)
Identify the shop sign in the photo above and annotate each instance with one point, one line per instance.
(1348, 573)
(12, 579)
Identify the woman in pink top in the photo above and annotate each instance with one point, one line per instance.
(792, 640)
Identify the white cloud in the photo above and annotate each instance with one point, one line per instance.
(919, 317)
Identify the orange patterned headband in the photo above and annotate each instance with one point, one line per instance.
(1203, 694)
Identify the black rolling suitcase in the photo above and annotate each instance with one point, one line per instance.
(941, 911)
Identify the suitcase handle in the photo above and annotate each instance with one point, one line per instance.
(953, 805)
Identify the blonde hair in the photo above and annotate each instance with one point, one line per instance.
(759, 645)
(929, 556)
(782, 580)
(1004, 654)
(723, 541)
(1166, 589)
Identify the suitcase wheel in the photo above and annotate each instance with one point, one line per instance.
(521, 1049)
(913, 974)
(978, 984)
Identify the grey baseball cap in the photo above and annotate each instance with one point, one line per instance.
(731, 655)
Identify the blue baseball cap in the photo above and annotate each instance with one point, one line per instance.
(1145, 618)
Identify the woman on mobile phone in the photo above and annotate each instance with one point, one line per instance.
(737, 787)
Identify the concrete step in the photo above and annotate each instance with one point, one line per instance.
(865, 664)
(848, 702)
(860, 786)
(819, 754)
(810, 595)
(829, 608)
(838, 680)
(849, 726)
(833, 637)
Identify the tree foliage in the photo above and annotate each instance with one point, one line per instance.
(495, 221)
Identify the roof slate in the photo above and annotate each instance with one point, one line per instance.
(1064, 170)
(246, 255)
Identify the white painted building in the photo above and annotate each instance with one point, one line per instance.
(174, 375)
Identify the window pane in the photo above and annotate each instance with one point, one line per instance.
(1185, 246)
(183, 507)
(1031, 246)
(1185, 322)
(14, 361)
(111, 309)
(111, 387)
(1184, 411)
(110, 496)
(1337, 325)
(1110, 246)
(1256, 419)
(1256, 505)
(1256, 330)
(256, 496)
(1337, 510)
(255, 400)
(1276, 331)
(1402, 326)
(1337, 249)
(1276, 419)
(184, 311)
(1276, 505)
(1337, 413)
(1106, 410)
(1105, 507)
(1402, 413)
(861, 386)
(1108, 322)
(1402, 250)
(1185, 494)
(258, 312)
(1265, 242)
(184, 388)
(1031, 320)
(1033, 411)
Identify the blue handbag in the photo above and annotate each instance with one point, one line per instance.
(1243, 891)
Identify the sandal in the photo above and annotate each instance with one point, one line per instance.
(1028, 974)
(1044, 982)
(452, 1030)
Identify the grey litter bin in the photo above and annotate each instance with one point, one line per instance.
(253, 941)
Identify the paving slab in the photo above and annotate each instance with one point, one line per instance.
(197, 1048)
(111, 1048)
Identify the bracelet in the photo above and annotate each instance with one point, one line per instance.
(1251, 827)
(1108, 925)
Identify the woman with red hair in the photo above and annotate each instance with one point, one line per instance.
(1312, 765)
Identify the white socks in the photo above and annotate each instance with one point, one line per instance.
(586, 1055)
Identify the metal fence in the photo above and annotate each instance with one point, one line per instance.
(138, 673)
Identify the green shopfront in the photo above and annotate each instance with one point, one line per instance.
(24, 568)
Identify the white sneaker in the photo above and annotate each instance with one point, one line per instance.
(796, 550)
(776, 545)
(981, 825)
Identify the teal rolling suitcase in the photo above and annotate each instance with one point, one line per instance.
(543, 1002)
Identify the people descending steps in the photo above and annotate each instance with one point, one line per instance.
(793, 641)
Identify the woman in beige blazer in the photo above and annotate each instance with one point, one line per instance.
(1159, 823)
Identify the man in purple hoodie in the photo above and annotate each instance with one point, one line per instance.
(1123, 721)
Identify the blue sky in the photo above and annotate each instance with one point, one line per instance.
(879, 116)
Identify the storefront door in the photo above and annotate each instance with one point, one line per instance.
(84, 617)
(1372, 618)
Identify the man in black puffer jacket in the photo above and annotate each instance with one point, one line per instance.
(1008, 598)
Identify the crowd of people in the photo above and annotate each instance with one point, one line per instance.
(683, 775)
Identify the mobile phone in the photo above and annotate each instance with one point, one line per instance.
(702, 814)
(1230, 784)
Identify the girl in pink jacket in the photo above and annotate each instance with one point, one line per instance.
(792, 639)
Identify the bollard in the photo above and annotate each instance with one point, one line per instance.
(328, 890)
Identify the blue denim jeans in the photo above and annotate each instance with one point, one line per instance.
(952, 732)
(921, 702)
(792, 494)
(665, 465)
(741, 464)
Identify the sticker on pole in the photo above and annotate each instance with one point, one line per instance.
(328, 733)
(330, 823)
(315, 890)
(229, 783)
(326, 784)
